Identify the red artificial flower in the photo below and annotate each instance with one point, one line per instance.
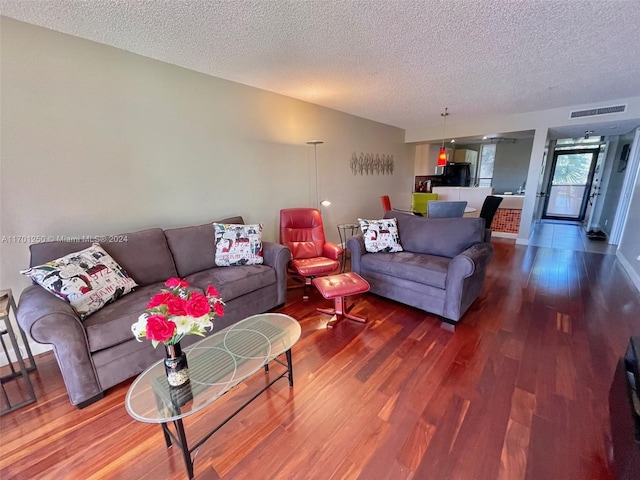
(219, 309)
(159, 328)
(212, 292)
(176, 306)
(160, 299)
(197, 305)
(176, 282)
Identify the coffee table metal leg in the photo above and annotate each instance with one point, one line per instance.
(289, 367)
(167, 437)
(181, 438)
(185, 448)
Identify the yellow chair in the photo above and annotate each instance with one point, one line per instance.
(419, 202)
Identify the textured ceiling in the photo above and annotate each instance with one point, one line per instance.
(399, 62)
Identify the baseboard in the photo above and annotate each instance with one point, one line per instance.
(503, 234)
(36, 349)
(635, 278)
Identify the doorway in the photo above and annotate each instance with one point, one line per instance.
(570, 183)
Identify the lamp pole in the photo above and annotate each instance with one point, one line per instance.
(315, 144)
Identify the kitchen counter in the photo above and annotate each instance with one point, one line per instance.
(474, 196)
(513, 202)
(506, 223)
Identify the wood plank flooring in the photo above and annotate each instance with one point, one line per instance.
(519, 391)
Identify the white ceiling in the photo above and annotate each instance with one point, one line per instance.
(399, 62)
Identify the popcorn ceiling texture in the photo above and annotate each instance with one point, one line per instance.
(399, 62)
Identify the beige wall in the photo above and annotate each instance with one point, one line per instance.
(97, 140)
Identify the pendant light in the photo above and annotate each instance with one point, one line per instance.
(442, 157)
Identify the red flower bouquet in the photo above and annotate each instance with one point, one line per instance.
(178, 311)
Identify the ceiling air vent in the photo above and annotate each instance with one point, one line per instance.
(598, 111)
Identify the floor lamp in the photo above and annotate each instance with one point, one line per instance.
(324, 203)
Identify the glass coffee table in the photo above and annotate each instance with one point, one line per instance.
(216, 365)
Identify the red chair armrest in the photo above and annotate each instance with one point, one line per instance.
(332, 250)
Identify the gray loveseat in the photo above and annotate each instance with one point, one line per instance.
(441, 269)
(101, 351)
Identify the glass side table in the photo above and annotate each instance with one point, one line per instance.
(22, 371)
(346, 230)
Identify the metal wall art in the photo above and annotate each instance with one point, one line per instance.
(370, 163)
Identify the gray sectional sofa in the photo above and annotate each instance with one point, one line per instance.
(441, 269)
(100, 351)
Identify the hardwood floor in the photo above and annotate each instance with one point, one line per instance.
(519, 391)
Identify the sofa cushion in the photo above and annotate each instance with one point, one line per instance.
(145, 255)
(444, 237)
(87, 279)
(112, 324)
(417, 267)
(380, 235)
(193, 248)
(233, 282)
(238, 244)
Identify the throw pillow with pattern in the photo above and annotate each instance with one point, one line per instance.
(380, 235)
(87, 280)
(238, 244)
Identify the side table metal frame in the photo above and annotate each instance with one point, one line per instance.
(346, 230)
(7, 304)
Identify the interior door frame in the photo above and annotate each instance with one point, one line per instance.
(596, 187)
(594, 152)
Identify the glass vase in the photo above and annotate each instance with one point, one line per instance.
(176, 365)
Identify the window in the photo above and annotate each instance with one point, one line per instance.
(571, 143)
(487, 161)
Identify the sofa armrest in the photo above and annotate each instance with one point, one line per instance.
(356, 246)
(474, 258)
(332, 250)
(465, 278)
(277, 256)
(50, 320)
(481, 254)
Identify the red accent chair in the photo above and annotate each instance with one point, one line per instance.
(302, 231)
(386, 203)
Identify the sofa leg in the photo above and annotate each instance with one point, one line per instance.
(449, 327)
(88, 402)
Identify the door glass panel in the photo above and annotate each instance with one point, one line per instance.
(568, 185)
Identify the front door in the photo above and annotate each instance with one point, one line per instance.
(569, 184)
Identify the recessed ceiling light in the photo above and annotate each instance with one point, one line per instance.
(485, 137)
(453, 140)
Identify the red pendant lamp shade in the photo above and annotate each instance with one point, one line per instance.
(442, 157)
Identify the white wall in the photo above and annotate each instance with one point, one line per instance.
(614, 183)
(512, 162)
(97, 140)
(629, 248)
